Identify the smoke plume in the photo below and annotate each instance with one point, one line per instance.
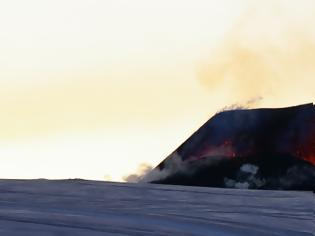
(142, 170)
(269, 52)
(248, 104)
(171, 166)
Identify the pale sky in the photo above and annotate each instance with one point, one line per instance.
(94, 88)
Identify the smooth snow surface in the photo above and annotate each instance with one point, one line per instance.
(78, 207)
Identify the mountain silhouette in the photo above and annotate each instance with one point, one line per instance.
(268, 148)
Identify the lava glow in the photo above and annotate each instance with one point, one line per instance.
(226, 149)
(296, 138)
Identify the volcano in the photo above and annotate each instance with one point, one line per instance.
(268, 148)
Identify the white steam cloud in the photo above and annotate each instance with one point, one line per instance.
(174, 164)
(142, 170)
(247, 178)
(248, 104)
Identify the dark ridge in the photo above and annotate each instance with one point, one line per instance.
(279, 172)
(279, 142)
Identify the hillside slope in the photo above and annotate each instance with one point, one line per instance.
(266, 148)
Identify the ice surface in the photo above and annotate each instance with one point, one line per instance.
(78, 207)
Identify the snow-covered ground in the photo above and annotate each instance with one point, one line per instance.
(78, 207)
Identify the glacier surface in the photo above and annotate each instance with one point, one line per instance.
(80, 207)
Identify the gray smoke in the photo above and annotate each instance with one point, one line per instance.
(297, 175)
(248, 168)
(239, 106)
(246, 178)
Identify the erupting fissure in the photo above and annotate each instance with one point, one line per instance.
(280, 142)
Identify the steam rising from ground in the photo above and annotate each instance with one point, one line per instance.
(248, 104)
(176, 164)
(136, 177)
(246, 178)
(270, 52)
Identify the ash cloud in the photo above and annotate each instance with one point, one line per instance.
(270, 51)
